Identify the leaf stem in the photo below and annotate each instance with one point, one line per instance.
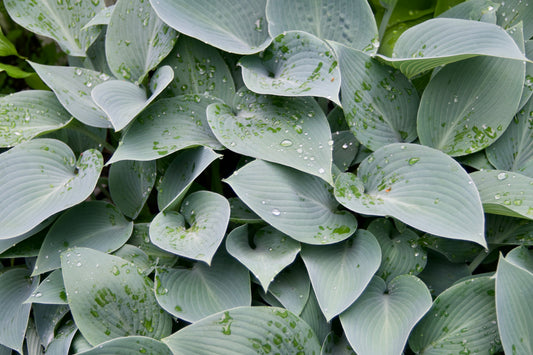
(478, 260)
(216, 182)
(82, 129)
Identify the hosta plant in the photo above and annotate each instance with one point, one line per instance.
(270, 177)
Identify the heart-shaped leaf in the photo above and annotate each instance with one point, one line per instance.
(166, 127)
(290, 288)
(15, 287)
(340, 272)
(27, 114)
(505, 193)
(199, 69)
(130, 184)
(246, 330)
(348, 22)
(180, 174)
(401, 253)
(391, 309)
(108, 298)
(122, 101)
(201, 291)
(380, 103)
(418, 185)
(221, 23)
(58, 20)
(300, 205)
(129, 345)
(461, 113)
(289, 131)
(39, 179)
(73, 87)
(50, 291)
(94, 224)
(272, 251)
(514, 150)
(441, 41)
(136, 40)
(462, 319)
(514, 306)
(195, 232)
(295, 64)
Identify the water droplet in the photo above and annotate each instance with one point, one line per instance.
(497, 196)
(276, 212)
(413, 161)
(345, 146)
(286, 143)
(38, 294)
(502, 176)
(321, 171)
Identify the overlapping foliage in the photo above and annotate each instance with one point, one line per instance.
(269, 176)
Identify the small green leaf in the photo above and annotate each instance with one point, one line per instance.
(461, 320)
(94, 224)
(197, 230)
(220, 23)
(136, 40)
(108, 298)
(40, 178)
(418, 185)
(299, 205)
(193, 294)
(295, 64)
(270, 252)
(165, 127)
(58, 20)
(122, 101)
(7, 48)
(514, 306)
(130, 184)
(27, 114)
(505, 193)
(340, 272)
(289, 131)
(391, 309)
(246, 330)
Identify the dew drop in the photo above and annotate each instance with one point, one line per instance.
(321, 171)
(286, 143)
(502, 176)
(276, 212)
(413, 161)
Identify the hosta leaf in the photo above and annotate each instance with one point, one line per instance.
(505, 193)
(289, 131)
(295, 64)
(334, 345)
(462, 319)
(503, 230)
(514, 150)
(129, 345)
(512, 12)
(418, 185)
(291, 287)
(240, 213)
(345, 147)
(101, 18)
(270, 252)
(58, 20)
(47, 318)
(313, 315)
(136, 256)
(73, 87)
(401, 253)
(141, 239)
(197, 230)
(165, 127)
(136, 40)
(528, 83)
(514, 306)
(199, 69)
(130, 184)
(193, 294)
(95, 224)
(440, 273)
(442, 41)
(340, 272)
(391, 309)
(63, 339)
(380, 103)
(223, 24)
(50, 291)
(246, 330)
(40, 178)
(180, 174)
(38, 231)
(348, 22)
(122, 101)
(477, 10)
(461, 112)
(300, 205)
(15, 287)
(108, 298)
(27, 114)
